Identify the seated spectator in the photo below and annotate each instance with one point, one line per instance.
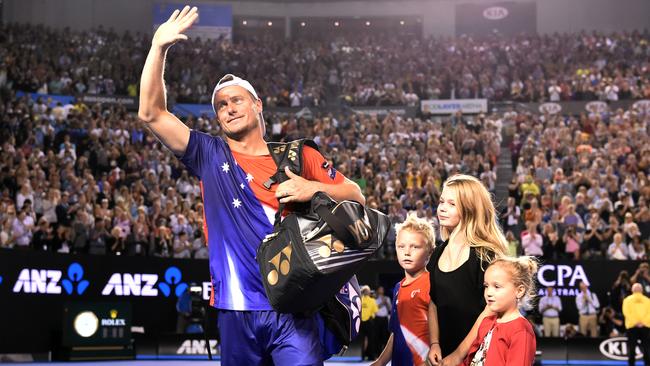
(514, 247)
(22, 230)
(43, 236)
(611, 323)
(99, 237)
(621, 288)
(572, 242)
(553, 246)
(199, 248)
(593, 244)
(182, 246)
(637, 249)
(531, 241)
(618, 249)
(642, 276)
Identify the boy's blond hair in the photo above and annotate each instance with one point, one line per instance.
(415, 224)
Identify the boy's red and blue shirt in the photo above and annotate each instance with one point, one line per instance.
(409, 321)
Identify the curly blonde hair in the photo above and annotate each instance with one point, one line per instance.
(522, 270)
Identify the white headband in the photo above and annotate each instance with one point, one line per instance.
(232, 80)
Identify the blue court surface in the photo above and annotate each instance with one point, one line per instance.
(338, 361)
(152, 363)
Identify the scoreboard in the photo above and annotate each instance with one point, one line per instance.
(96, 330)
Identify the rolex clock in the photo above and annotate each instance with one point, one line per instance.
(86, 324)
(96, 330)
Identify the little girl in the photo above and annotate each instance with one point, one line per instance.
(506, 338)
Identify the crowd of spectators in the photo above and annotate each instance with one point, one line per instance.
(78, 178)
(91, 178)
(367, 70)
(581, 186)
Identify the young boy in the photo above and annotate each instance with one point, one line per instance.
(409, 340)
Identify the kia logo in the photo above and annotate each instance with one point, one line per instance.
(550, 108)
(596, 107)
(616, 349)
(495, 13)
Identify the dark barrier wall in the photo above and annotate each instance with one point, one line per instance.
(34, 288)
(565, 277)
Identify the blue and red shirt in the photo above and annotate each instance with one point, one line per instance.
(409, 321)
(239, 212)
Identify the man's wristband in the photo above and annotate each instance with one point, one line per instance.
(432, 343)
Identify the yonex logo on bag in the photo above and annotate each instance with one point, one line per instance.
(292, 155)
(282, 265)
(329, 242)
(75, 276)
(360, 230)
(173, 277)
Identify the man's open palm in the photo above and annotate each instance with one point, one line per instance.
(172, 30)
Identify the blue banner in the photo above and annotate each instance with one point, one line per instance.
(53, 99)
(215, 21)
(196, 110)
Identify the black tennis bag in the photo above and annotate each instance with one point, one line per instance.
(312, 253)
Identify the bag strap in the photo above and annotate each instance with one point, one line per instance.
(320, 204)
(289, 154)
(286, 154)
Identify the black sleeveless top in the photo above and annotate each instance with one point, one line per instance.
(458, 296)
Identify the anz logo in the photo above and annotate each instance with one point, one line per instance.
(145, 284)
(48, 281)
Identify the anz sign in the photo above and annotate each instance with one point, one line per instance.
(48, 281)
(145, 284)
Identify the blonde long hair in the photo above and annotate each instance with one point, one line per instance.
(478, 219)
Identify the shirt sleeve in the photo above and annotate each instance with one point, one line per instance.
(522, 349)
(317, 168)
(580, 302)
(198, 152)
(594, 301)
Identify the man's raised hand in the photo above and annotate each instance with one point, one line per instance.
(172, 30)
